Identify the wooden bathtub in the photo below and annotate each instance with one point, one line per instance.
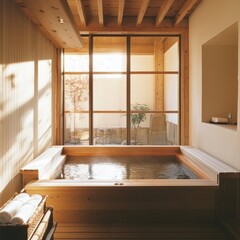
(147, 201)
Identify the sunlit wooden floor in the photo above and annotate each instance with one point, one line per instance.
(70, 231)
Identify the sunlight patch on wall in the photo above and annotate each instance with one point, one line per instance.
(44, 99)
(18, 85)
(16, 118)
(44, 73)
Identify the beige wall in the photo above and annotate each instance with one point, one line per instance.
(211, 18)
(26, 78)
(219, 81)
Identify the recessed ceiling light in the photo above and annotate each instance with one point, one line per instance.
(60, 20)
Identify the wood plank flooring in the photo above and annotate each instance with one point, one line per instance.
(73, 231)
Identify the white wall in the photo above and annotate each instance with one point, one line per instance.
(209, 19)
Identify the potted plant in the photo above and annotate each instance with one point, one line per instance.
(138, 117)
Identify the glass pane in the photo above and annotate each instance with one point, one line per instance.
(171, 92)
(142, 90)
(140, 125)
(171, 54)
(109, 92)
(159, 92)
(109, 128)
(76, 117)
(154, 53)
(109, 54)
(172, 120)
(76, 130)
(158, 129)
(76, 92)
(77, 61)
(142, 63)
(154, 128)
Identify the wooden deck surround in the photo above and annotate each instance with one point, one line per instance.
(107, 207)
(73, 231)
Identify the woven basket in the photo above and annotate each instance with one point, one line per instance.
(25, 231)
(43, 227)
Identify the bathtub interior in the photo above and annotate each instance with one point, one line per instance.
(119, 168)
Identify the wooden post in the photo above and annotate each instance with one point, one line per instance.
(159, 78)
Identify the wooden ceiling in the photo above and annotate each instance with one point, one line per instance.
(92, 15)
(64, 20)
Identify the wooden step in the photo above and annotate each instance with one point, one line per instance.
(73, 231)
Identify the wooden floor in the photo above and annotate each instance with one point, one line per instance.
(70, 231)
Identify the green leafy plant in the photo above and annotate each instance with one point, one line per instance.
(138, 117)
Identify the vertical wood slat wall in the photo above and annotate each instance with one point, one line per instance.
(26, 77)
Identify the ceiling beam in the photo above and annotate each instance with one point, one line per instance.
(100, 12)
(163, 11)
(121, 4)
(184, 10)
(142, 11)
(81, 12)
(129, 26)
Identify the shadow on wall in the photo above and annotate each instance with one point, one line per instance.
(26, 73)
(22, 138)
(9, 191)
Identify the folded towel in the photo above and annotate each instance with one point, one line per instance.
(26, 210)
(12, 207)
(219, 120)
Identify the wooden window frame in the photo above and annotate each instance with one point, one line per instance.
(183, 86)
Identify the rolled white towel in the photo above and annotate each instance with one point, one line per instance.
(26, 210)
(37, 196)
(23, 214)
(35, 199)
(12, 207)
(22, 196)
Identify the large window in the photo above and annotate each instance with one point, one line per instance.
(122, 90)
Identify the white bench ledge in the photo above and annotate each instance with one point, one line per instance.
(199, 156)
(43, 161)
